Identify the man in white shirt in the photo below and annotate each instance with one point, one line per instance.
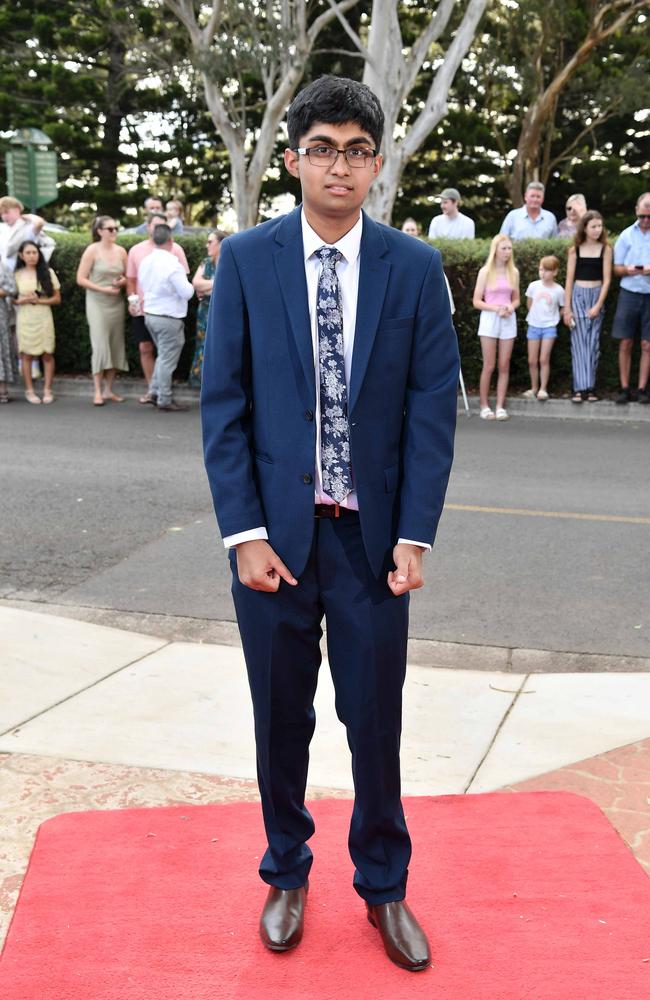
(451, 224)
(16, 227)
(531, 221)
(166, 293)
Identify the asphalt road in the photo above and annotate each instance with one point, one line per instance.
(538, 546)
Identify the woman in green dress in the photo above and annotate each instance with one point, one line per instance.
(101, 272)
(202, 282)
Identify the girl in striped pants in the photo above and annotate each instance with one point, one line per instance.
(588, 277)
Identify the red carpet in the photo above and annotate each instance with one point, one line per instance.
(525, 897)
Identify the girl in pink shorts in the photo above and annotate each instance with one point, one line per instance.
(497, 296)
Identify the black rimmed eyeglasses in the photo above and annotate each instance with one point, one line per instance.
(326, 156)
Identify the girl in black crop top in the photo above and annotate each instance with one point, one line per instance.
(588, 277)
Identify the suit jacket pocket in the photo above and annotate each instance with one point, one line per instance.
(403, 323)
(391, 478)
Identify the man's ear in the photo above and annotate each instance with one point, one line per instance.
(291, 159)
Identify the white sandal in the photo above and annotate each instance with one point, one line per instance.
(31, 397)
(502, 414)
(486, 413)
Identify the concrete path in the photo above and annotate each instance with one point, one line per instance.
(97, 717)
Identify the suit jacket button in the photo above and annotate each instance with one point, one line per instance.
(309, 414)
(306, 478)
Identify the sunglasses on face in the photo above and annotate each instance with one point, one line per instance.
(643, 216)
(110, 229)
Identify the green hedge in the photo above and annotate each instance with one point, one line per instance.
(462, 260)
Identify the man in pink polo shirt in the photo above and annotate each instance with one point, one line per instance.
(136, 255)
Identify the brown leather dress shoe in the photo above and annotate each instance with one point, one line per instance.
(283, 917)
(404, 939)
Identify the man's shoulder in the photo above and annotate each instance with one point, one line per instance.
(140, 249)
(264, 232)
(628, 234)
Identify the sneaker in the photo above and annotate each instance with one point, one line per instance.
(528, 394)
(542, 395)
(623, 397)
(643, 396)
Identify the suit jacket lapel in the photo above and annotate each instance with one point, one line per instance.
(373, 281)
(290, 268)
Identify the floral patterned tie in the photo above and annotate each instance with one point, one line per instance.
(334, 430)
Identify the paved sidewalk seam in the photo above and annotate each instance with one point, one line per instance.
(88, 687)
(502, 723)
(434, 653)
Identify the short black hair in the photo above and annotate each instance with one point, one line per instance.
(161, 234)
(335, 100)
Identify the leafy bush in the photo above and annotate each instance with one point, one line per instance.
(462, 260)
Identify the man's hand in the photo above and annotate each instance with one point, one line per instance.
(407, 574)
(260, 568)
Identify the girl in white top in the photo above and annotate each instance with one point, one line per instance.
(545, 298)
(497, 296)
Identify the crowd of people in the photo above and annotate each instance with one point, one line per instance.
(154, 277)
(591, 263)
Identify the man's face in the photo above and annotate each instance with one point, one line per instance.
(534, 198)
(448, 206)
(156, 221)
(153, 205)
(333, 190)
(643, 208)
(10, 215)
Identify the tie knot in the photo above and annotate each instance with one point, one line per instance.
(329, 256)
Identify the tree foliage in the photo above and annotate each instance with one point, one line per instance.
(122, 89)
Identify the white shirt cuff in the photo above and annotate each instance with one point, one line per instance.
(245, 536)
(261, 533)
(409, 541)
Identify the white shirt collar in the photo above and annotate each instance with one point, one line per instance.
(349, 245)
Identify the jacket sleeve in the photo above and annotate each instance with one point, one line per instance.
(430, 410)
(226, 403)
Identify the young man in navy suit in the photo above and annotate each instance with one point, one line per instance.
(328, 407)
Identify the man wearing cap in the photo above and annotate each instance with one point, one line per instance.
(451, 224)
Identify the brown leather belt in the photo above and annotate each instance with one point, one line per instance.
(333, 510)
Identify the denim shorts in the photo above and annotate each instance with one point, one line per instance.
(541, 332)
(632, 315)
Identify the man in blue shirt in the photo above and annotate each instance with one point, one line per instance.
(632, 266)
(531, 221)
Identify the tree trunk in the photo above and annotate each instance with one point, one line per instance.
(392, 72)
(541, 111)
(108, 198)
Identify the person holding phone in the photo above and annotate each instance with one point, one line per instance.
(632, 266)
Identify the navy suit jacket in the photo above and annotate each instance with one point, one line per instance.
(258, 390)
